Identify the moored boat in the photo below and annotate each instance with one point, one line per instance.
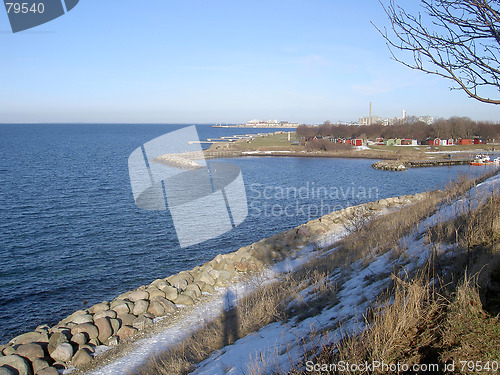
(481, 160)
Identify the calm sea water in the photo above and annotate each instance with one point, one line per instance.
(70, 231)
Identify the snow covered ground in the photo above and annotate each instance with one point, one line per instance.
(280, 345)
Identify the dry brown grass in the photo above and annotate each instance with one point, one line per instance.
(400, 332)
(469, 333)
(432, 321)
(421, 328)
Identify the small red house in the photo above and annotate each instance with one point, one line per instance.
(357, 142)
(465, 142)
(479, 141)
(434, 141)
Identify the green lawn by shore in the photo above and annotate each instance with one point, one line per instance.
(279, 142)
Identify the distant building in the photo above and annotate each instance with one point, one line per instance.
(405, 119)
(409, 142)
(429, 120)
(432, 142)
(370, 121)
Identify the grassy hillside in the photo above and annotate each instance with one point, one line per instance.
(417, 287)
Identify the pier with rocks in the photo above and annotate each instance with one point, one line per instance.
(400, 165)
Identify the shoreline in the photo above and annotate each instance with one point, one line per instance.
(74, 341)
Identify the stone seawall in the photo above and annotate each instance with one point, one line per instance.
(72, 341)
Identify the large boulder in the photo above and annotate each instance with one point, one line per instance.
(25, 338)
(48, 371)
(170, 292)
(136, 295)
(115, 324)
(82, 318)
(118, 302)
(126, 332)
(105, 330)
(207, 288)
(168, 305)
(180, 284)
(18, 363)
(56, 339)
(181, 280)
(205, 277)
(122, 308)
(195, 288)
(155, 292)
(81, 358)
(80, 338)
(103, 306)
(7, 371)
(63, 353)
(39, 364)
(160, 283)
(182, 299)
(126, 319)
(192, 294)
(89, 328)
(383, 203)
(156, 308)
(8, 350)
(219, 265)
(105, 314)
(141, 306)
(72, 316)
(30, 351)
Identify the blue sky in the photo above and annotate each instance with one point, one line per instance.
(201, 61)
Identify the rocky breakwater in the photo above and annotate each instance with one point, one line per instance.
(390, 165)
(400, 165)
(186, 160)
(73, 341)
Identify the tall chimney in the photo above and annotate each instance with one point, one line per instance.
(370, 120)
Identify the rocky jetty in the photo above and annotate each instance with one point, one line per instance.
(390, 165)
(186, 160)
(400, 165)
(72, 341)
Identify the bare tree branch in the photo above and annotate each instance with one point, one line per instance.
(455, 39)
